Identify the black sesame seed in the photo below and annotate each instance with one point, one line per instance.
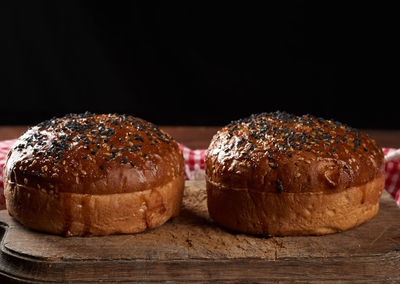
(138, 137)
(274, 165)
(252, 147)
(240, 142)
(21, 146)
(102, 167)
(279, 186)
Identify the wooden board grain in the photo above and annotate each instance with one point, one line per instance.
(192, 247)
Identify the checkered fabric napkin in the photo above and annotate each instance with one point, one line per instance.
(4, 147)
(392, 170)
(194, 168)
(194, 163)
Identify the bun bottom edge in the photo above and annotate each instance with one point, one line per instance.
(293, 214)
(71, 214)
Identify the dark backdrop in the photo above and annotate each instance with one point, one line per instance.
(192, 63)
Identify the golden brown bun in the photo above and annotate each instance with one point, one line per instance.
(279, 174)
(92, 174)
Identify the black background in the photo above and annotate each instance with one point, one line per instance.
(194, 63)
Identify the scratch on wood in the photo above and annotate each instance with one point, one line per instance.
(277, 246)
(379, 236)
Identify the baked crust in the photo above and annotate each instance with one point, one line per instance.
(74, 214)
(86, 158)
(265, 171)
(289, 213)
(94, 154)
(282, 152)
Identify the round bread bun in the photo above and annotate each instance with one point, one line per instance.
(278, 174)
(94, 174)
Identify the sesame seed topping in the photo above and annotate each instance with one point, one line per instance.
(283, 133)
(275, 151)
(96, 138)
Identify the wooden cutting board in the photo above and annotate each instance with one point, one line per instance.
(192, 247)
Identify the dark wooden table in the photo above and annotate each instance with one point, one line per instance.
(198, 137)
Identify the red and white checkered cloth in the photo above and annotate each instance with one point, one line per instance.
(4, 148)
(392, 170)
(194, 168)
(194, 163)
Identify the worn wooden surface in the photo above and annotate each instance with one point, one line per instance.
(198, 137)
(192, 247)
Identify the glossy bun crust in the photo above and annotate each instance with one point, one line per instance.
(89, 174)
(280, 174)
